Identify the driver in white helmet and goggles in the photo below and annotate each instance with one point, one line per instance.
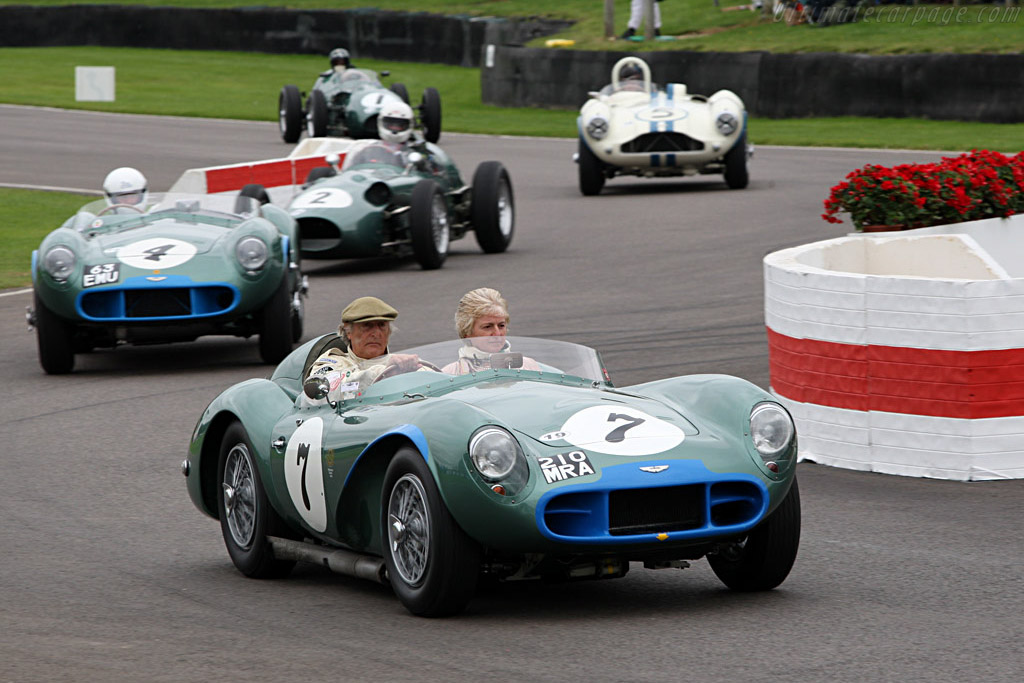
(125, 186)
(394, 123)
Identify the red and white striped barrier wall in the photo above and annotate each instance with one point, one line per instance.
(903, 353)
(286, 172)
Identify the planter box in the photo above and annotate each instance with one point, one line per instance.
(904, 352)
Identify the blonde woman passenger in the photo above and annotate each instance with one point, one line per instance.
(482, 319)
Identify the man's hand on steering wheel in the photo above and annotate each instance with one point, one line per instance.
(399, 363)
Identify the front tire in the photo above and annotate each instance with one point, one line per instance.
(429, 224)
(246, 517)
(762, 560)
(55, 340)
(736, 175)
(493, 209)
(430, 114)
(316, 115)
(276, 325)
(591, 171)
(432, 564)
(289, 113)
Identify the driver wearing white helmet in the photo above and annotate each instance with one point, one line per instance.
(394, 123)
(125, 186)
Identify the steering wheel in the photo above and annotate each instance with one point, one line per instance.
(110, 208)
(392, 370)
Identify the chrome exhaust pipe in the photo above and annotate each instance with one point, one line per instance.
(337, 560)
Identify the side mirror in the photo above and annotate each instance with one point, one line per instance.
(316, 388)
(415, 158)
(385, 73)
(333, 160)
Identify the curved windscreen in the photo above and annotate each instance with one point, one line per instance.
(376, 153)
(358, 75)
(101, 215)
(466, 356)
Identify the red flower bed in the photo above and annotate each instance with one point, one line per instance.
(981, 184)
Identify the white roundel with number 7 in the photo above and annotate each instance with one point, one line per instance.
(304, 473)
(618, 430)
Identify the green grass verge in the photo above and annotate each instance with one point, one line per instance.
(26, 217)
(701, 25)
(246, 85)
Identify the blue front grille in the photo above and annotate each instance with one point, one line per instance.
(684, 501)
(158, 303)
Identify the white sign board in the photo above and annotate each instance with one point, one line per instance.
(94, 84)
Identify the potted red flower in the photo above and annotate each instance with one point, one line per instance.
(981, 184)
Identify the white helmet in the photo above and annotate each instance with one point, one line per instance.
(125, 185)
(394, 123)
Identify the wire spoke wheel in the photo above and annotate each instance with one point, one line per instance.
(439, 224)
(505, 211)
(409, 529)
(239, 496)
(246, 516)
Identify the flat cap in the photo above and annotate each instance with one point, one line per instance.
(367, 308)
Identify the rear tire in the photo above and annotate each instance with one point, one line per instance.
(429, 224)
(432, 564)
(762, 560)
(400, 90)
(316, 115)
(289, 113)
(736, 176)
(254, 191)
(276, 325)
(493, 209)
(430, 114)
(591, 171)
(246, 517)
(55, 339)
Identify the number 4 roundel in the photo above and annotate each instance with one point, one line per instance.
(620, 430)
(304, 473)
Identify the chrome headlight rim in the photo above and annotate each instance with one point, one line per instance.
(59, 262)
(772, 431)
(252, 253)
(727, 123)
(493, 469)
(597, 127)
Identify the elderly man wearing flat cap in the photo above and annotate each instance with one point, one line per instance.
(365, 328)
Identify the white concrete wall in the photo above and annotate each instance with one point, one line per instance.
(956, 288)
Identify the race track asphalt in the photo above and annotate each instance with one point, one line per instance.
(108, 573)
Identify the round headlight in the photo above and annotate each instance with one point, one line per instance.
(251, 253)
(597, 127)
(771, 429)
(494, 453)
(726, 123)
(59, 262)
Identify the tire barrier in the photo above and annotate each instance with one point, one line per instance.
(367, 33)
(938, 86)
(903, 353)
